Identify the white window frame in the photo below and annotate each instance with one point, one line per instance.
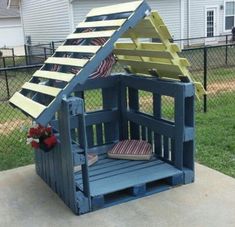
(225, 1)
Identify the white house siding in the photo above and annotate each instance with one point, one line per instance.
(10, 21)
(198, 17)
(169, 10)
(46, 20)
(11, 32)
(11, 36)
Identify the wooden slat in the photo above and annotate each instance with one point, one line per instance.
(129, 178)
(159, 46)
(148, 46)
(164, 70)
(145, 23)
(54, 75)
(157, 18)
(42, 89)
(184, 62)
(78, 49)
(104, 23)
(149, 64)
(118, 8)
(144, 29)
(143, 53)
(29, 106)
(85, 35)
(148, 59)
(67, 61)
(141, 33)
(165, 32)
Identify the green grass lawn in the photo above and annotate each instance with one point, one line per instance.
(215, 133)
(8, 113)
(13, 150)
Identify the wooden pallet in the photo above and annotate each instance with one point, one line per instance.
(157, 59)
(111, 181)
(115, 181)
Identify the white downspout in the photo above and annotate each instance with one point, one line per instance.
(188, 20)
(22, 20)
(71, 15)
(182, 23)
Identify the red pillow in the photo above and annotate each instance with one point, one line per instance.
(131, 150)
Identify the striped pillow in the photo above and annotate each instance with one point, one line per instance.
(132, 150)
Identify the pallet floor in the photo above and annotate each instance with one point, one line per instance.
(110, 175)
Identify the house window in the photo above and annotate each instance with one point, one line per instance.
(210, 23)
(229, 15)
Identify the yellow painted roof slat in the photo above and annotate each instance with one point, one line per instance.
(78, 49)
(104, 23)
(144, 29)
(142, 52)
(67, 61)
(29, 106)
(145, 46)
(145, 23)
(156, 17)
(148, 46)
(162, 73)
(141, 33)
(97, 34)
(160, 47)
(54, 75)
(160, 67)
(47, 90)
(112, 9)
(165, 32)
(183, 62)
(175, 48)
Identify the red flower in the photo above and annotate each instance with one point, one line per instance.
(50, 141)
(35, 144)
(34, 132)
(42, 137)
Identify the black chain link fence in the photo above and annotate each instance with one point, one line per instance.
(213, 66)
(13, 123)
(204, 41)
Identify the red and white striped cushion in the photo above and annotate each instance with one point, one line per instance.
(105, 67)
(91, 158)
(131, 150)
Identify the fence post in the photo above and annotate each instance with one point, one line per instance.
(53, 47)
(45, 53)
(26, 54)
(226, 51)
(13, 57)
(6, 78)
(205, 79)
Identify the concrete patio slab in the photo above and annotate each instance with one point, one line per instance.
(25, 200)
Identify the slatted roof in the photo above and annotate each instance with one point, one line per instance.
(40, 98)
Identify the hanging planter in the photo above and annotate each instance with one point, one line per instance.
(41, 137)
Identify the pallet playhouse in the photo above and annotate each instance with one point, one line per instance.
(55, 95)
